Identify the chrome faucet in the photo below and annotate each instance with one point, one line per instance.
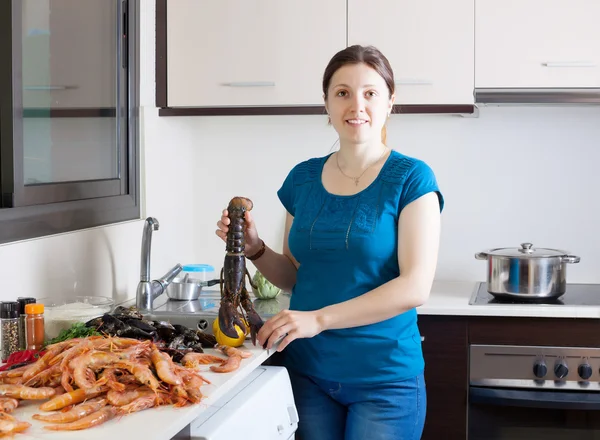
(148, 291)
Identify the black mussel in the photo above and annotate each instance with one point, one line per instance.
(190, 335)
(175, 354)
(132, 312)
(177, 343)
(166, 334)
(136, 333)
(207, 340)
(197, 348)
(109, 324)
(142, 325)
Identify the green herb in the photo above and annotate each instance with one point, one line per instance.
(77, 330)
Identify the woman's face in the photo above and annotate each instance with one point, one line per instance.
(358, 102)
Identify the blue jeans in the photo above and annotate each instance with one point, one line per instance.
(335, 411)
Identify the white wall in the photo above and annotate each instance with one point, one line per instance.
(509, 176)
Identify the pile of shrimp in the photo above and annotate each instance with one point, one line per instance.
(94, 379)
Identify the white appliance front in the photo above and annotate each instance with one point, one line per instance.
(261, 407)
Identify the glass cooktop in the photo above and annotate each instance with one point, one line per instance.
(576, 295)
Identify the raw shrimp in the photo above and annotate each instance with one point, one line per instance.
(193, 359)
(8, 404)
(232, 363)
(76, 413)
(141, 372)
(140, 404)
(44, 377)
(10, 425)
(232, 351)
(109, 376)
(26, 393)
(72, 397)
(89, 421)
(117, 398)
(97, 359)
(52, 351)
(165, 369)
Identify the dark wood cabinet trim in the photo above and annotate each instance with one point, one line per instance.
(69, 112)
(302, 110)
(564, 332)
(445, 350)
(161, 53)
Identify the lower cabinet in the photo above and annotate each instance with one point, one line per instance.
(445, 349)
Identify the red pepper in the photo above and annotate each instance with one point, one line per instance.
(20, 357)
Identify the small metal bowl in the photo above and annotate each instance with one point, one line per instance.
(180, 290)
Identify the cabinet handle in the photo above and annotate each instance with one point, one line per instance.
(569, 64)
(413, 82)
(250, 84)
(36, 88)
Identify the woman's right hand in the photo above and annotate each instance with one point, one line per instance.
(253, 242)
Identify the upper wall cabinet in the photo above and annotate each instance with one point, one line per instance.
(429, 43)
(252, 52)
(537, 43)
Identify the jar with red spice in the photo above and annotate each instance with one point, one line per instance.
(34, 323)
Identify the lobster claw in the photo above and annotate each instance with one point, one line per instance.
(228, 318)
(256, 324)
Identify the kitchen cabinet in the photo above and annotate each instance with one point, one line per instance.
(446, 375)
(251, 53)
(537, 44)
(68, 54)
(429, 44)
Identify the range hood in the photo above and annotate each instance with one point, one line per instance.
(551, 96)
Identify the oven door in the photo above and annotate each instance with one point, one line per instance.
(519, 414)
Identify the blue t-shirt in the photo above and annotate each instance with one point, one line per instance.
(347, 246)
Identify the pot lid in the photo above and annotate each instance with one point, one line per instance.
(526, 251)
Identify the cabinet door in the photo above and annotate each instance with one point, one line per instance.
(537, 43)
(429, 43)
(251, 53)
(69, 56)
(445, 351)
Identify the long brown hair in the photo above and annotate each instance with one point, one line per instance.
(369, 55)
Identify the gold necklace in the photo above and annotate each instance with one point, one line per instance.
(356, 179)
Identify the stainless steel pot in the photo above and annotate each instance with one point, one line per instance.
(183, 290)
(527, 272)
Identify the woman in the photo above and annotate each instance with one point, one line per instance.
(360, 252)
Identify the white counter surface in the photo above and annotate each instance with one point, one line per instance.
(160, 423)
(452, 298)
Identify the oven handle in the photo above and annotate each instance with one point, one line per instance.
(535, 399)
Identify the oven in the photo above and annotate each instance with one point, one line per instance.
(533, 392)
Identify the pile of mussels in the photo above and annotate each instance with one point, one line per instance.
(175, 339)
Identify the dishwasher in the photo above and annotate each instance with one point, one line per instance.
(261, 407)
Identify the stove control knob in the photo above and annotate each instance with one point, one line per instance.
(540, 369)
(585, 371)
(560, 369)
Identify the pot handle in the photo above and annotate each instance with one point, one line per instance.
(481, 256)
(570, 259)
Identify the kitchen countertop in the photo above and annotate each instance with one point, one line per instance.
(160, 423)
(446, 298)
(452, 298)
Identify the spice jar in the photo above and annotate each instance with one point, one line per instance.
(23, 301)
(34, 324)
(9, 328)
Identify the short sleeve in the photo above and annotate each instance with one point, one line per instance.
(286, 193)
(420, 181)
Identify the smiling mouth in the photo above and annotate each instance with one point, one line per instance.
(356, 122)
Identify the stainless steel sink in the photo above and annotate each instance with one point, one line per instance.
(200, 321)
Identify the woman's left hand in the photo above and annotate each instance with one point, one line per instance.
(294, 323)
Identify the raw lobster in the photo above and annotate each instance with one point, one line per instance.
(234, 295)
